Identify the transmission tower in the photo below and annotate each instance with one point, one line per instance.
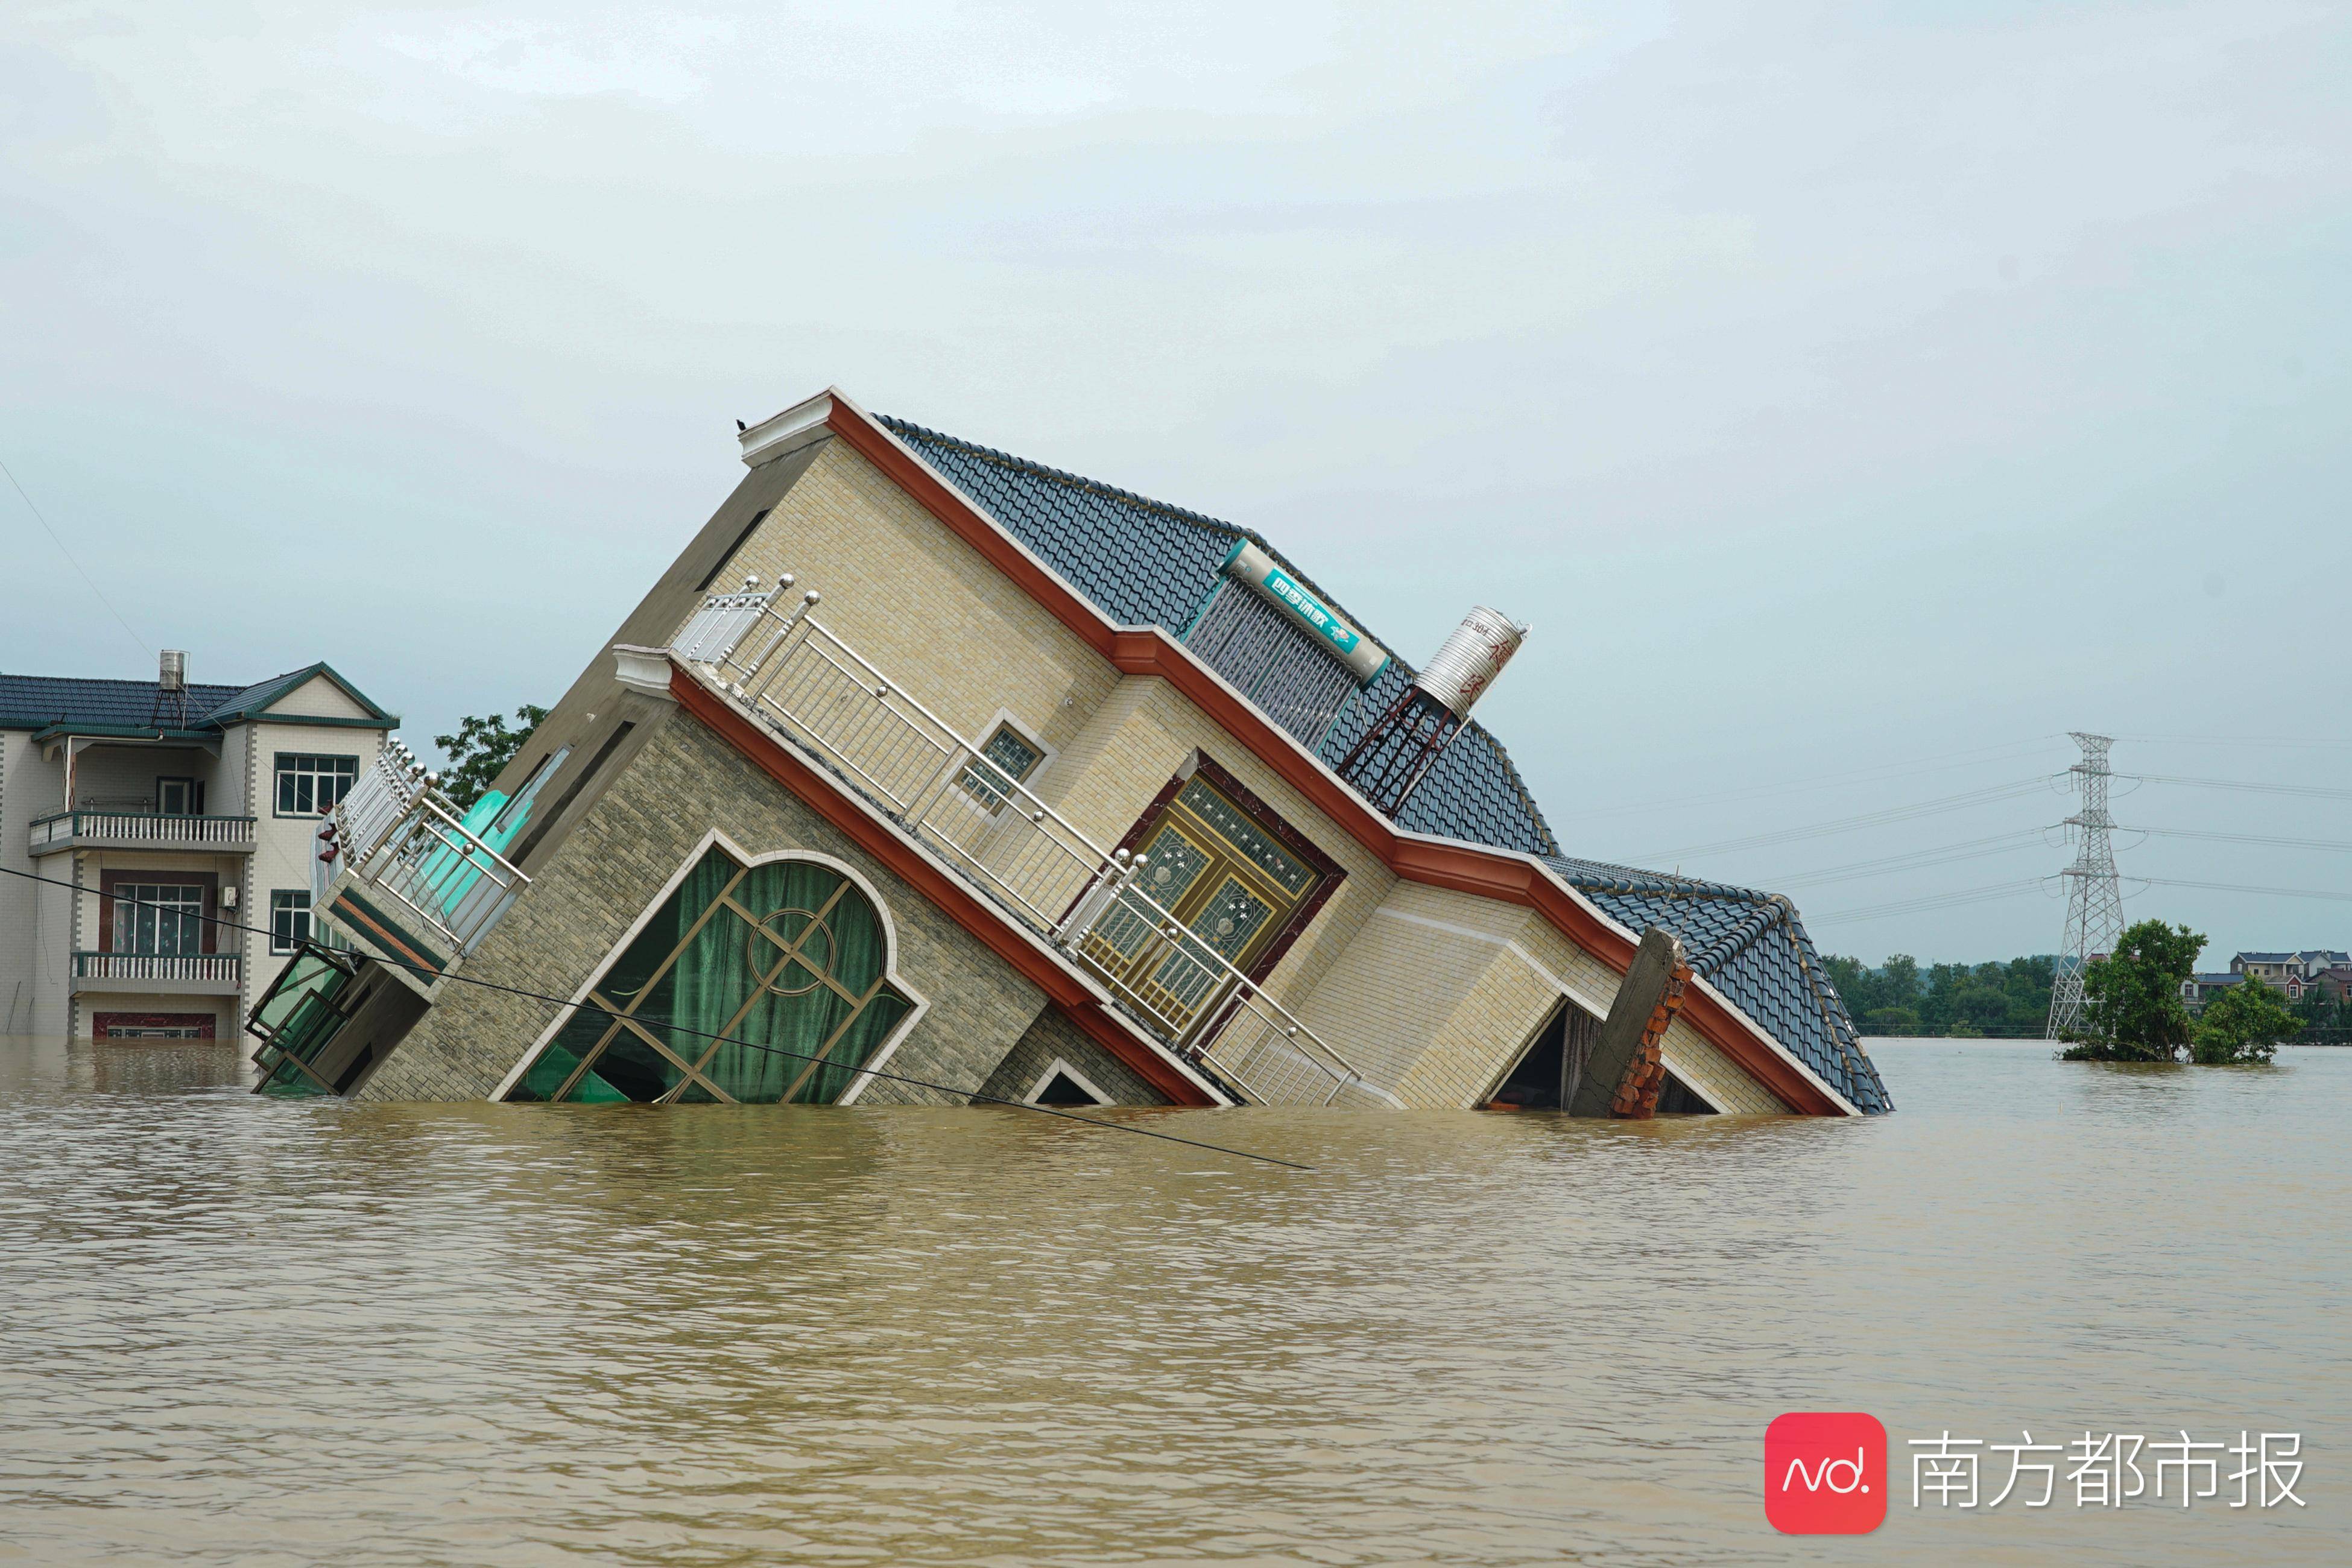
(2095, 903)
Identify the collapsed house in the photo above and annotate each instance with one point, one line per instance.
(927, 774)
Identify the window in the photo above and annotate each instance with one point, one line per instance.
(1006, 758)
(179, 797)
(289, 919)
(312, 785)
(160, 918)
(787, 959)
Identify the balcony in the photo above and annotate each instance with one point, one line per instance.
(160, 974)
(139, 829)
(781, 665)
(413, 881)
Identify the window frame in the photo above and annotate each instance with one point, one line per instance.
(282, 947)
(1061, 1068)
(1333, 875)
(919, 1004)
(195, 796)
(278, 772)
(981, 793)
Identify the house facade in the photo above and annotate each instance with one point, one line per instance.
(2293, 974)
(167, 807)
(930, 775)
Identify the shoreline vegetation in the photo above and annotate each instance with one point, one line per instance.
(2005, 1000)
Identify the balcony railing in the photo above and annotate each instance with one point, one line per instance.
(804, 683)
(398, 832)
(139, 829)
(216, 967)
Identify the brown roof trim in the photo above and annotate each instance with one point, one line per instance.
(1082, 1006)
(1445, 863)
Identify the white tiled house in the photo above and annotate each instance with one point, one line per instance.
(159, 798)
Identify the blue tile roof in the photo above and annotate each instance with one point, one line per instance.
(1145, 563)
(41, 701)
(38, 702)
(1751, 947)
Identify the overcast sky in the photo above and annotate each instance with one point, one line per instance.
(1853, 397)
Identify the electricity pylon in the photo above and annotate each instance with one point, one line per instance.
(2095, 903)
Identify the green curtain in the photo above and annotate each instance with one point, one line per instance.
(705, 991)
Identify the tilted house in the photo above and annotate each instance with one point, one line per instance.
(926, 773)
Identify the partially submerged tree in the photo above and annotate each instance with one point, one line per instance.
(2244, 1024)
(2132, 1010)
(480, 749)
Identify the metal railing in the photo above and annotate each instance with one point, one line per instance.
(799, 679)
(139, 966)
(398, 832)
(141, 827)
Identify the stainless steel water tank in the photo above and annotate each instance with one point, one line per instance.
(1460, 672)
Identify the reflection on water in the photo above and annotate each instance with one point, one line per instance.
(254, 1330)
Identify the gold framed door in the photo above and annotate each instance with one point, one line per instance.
(1224, 879)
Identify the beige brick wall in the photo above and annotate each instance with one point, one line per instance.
(653, 817)
(1690, 1057)
(927, 608)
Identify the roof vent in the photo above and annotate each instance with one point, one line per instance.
(171, 688)
(1403, 743)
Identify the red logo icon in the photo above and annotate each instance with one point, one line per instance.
(1825, 1473)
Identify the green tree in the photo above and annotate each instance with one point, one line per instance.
(480, 749)
(2244, 1024)
(2132, 1010)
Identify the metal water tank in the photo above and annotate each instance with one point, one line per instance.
(1460, 672)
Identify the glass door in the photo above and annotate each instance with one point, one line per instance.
(1226, 881)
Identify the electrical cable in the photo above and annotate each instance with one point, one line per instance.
(1941, 762)
(2002, 843)
(2242, 837)
(2241, 887)
(1967, 798)
(2316, 791)
(1931, 901)
(68, 554)
(681, 1028)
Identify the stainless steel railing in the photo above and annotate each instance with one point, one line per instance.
(398, 832)
(800, 679)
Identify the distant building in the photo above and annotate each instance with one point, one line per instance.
(175, 806)
(2324, 970)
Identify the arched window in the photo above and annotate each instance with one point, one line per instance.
(789, 956)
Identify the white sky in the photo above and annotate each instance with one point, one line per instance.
(1832, 386)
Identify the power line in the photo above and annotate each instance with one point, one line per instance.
(2316, 791)
(683, 1029)
(2234, 741)
(2244, 838)
(1931, 901)
(1971, 849)
(68, 554)
(2244, 887)
(1967, 798)
(1939, 762)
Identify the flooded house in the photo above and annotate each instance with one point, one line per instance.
(928, 775)
(156, 842)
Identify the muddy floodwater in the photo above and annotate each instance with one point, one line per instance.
(241, 1331)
